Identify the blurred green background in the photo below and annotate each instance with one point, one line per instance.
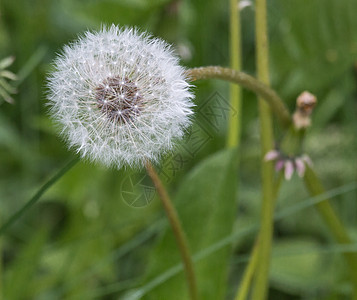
(101, 234)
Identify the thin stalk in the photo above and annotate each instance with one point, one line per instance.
(261, 282)
(244, 287)
(327, 213)
(235, 112)
(177, 230)
(248, 273)
(38, 195)
(250, 83)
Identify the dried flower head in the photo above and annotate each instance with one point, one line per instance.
(120, 96)
(305, 104)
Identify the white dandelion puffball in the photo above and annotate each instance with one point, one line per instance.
(120, 97)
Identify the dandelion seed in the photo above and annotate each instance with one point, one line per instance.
(126, 103)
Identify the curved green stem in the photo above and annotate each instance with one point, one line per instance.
(177, 230)
(314, 186)
(235, 112)
(249, 82)
(38, 195)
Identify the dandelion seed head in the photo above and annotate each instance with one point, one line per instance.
(120, 97)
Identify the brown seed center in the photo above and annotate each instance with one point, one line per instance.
(119, 99)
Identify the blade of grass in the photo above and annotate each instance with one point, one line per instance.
(31, 64)
(38, 195)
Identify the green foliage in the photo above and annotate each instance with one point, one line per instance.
(299, 267)
(313, 45)
(21, 272)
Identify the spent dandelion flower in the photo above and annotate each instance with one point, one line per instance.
(120, 96)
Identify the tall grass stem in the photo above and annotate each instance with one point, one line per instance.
(235, 112)
(261, 279)
(38, 195)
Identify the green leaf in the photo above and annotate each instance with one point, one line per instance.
(206, 204)
(300, 265)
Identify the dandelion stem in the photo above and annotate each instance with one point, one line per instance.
(261, 280)
(249, 82)
(235, 113)
(324, 208)
(38, 195)
(177, 230)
